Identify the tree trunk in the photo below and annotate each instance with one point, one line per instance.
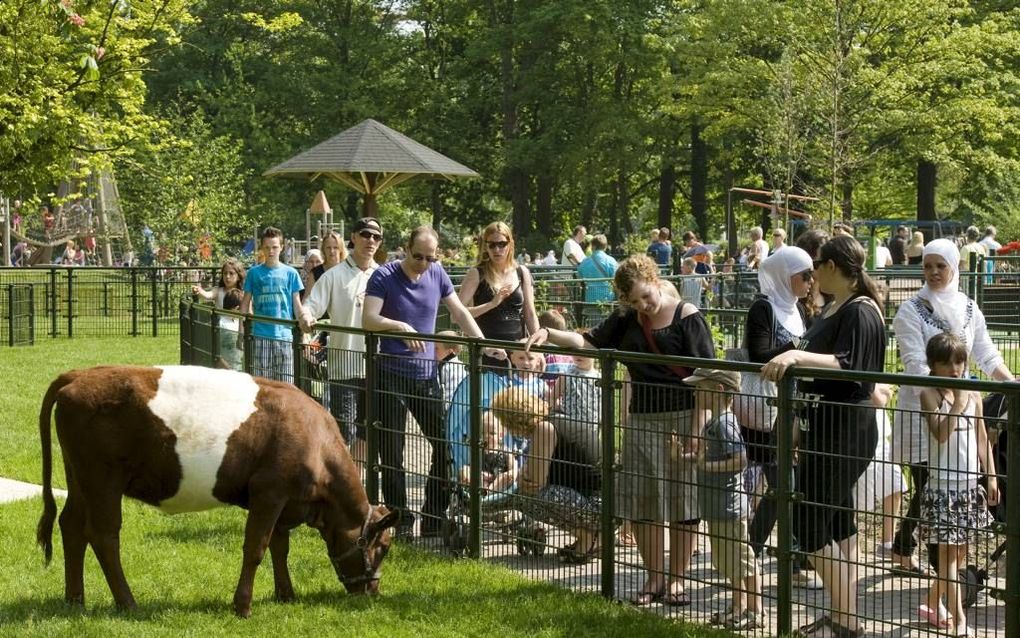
(699, 181)
(667, 189)
(588, 207)
(623, 201)
(847, 205)
(927, 173)
(543, 205)
(437, 204)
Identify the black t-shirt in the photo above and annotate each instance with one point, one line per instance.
(762, 346)
(656, 388)
(855, 335)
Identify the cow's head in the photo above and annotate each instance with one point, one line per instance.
(357, 559)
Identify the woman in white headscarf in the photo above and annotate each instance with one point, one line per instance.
(775, 323)
(938, 307)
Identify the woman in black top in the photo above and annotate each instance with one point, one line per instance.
(498, 293)
(652, 487)
(839, 436)
(775, 323)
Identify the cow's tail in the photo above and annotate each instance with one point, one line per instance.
(44, 530)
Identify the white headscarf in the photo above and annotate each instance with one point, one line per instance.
(949, 303)
(774, 281)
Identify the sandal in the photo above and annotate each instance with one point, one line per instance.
(812, 627)
(747, 621)
(571, 556)
(645, 598)
(675, 599)
(721, 617)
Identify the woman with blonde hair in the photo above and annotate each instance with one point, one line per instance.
(915, 249)
(498, 292)
(653, 487)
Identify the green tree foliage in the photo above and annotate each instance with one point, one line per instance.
(71, 83)
(617, 114)
(185, 185)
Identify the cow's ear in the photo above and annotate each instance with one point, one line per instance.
(388, 520)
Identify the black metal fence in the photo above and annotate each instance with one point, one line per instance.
(69, 301)
(459, 452)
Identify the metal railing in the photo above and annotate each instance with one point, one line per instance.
(532, 532)
(71, 301)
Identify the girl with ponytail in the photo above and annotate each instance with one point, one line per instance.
(841, 433)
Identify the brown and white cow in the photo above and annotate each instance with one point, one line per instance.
(184, 439)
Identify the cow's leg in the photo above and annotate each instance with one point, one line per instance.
(72, 531)
(279, 547)
(262, 517)
(102, 529)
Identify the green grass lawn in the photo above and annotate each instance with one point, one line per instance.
(183, 569)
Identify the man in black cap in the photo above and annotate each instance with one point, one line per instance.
(340, 292)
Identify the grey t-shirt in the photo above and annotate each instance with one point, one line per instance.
(721, 494)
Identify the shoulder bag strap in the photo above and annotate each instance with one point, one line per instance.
(679, 371)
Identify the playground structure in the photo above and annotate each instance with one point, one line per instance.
(778, 206)
(89, 215)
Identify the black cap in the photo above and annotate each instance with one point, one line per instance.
(367, 223)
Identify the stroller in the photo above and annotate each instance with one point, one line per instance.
(531, 539)
(973, 579)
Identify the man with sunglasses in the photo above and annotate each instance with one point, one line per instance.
(340, 292)
(404, 296)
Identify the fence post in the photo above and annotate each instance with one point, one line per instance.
(609, 386)
(70, 302)
(134, 302)
(1012, 598)
(214, 335)
(979, 286)
(10, 314)
(299, 359)
(192, 317)
(154, 291)
(476, 442)
(248, 340)
(784, 495)
(371, 420)
(53, 302)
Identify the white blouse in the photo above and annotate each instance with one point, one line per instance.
(914, 325)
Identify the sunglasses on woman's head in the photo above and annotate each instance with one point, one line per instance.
(818, 263)
(429, 258)
(367, 234)
(497, 244)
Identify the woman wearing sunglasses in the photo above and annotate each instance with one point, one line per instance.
(776, 322)
(498, 292)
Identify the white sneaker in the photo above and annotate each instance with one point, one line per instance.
(806, 579)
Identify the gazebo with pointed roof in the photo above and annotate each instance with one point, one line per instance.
(370, 158)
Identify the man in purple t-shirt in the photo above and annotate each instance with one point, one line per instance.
(404, 296)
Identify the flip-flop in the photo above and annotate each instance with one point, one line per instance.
(672, 599)
(646, 598)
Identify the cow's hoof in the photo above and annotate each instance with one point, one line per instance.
(285, 597)
(242, 612)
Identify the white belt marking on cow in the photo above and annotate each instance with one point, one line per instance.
(203, 407)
